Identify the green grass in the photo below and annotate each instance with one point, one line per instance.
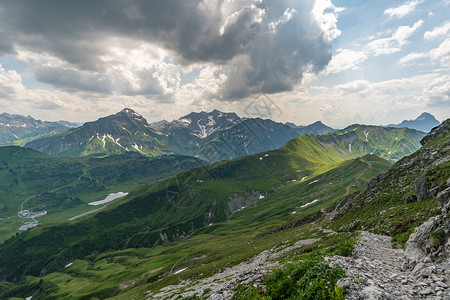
(64, 186)
(209, 248)
(163, 227)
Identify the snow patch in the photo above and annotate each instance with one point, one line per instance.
(68, 265)
(366, 134)
(185, 122)
(313, 181)
(103, 140)
(109, 198)
(179, 271)
(308, 204)
(350, 148)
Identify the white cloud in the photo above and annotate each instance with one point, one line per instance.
(437, 32)
(412, 56)
(402, 10)
(326, 13)
(346, 59)
(437, 92)
(394, 43)
(286, 17)
(442, 53)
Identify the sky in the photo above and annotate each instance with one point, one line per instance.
(341, 61)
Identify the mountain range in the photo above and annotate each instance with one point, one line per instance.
(17, 129)
(185, 222)
(309, 196)
(194, 134)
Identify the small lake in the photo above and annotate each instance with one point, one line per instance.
(109, 198)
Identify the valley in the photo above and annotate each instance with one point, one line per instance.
(64, 187)
(185, 228)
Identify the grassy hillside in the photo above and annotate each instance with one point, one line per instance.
(35, 181)
(205, 219)
(210, 248)
(178, 207)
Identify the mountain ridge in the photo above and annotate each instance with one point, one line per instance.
(17, 129)
(425, 122)
(193, 135)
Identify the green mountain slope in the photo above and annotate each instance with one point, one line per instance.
(123, 132)
(35, 181)
(210, 248)
(402, 198)
(173, 209)
(205, 218)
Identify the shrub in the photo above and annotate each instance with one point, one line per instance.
(312, 278)
(437, 238)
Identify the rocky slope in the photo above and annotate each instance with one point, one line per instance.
(422, 269)
(377, 271)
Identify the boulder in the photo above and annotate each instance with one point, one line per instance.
(421, 188)
(444, 200)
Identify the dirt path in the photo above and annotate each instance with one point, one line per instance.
(377, 272)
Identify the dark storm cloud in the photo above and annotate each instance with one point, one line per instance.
(252, 56)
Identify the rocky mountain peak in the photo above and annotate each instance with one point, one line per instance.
(203, 124)
(425, 122)
(437, 132)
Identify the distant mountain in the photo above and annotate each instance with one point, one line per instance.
(316, 128)
(216, 136)
(17, 129)
(126, 131)
(389, 143)
(212, 136)
(157, 123)
(201, 124)
(248, 137)
(292, 125)
(425, 122)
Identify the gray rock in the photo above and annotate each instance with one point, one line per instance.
(418, 267)
(425, 272)
(427, 292)
(421, 187)
(444, 200)
(442, 285)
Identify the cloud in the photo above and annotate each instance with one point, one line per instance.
(395, 42)
(442, 53)
(140, 47)
(437, 32)
(412, 56)
(350, 59)
(402, 10)
(346, 59)
(437, 92)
